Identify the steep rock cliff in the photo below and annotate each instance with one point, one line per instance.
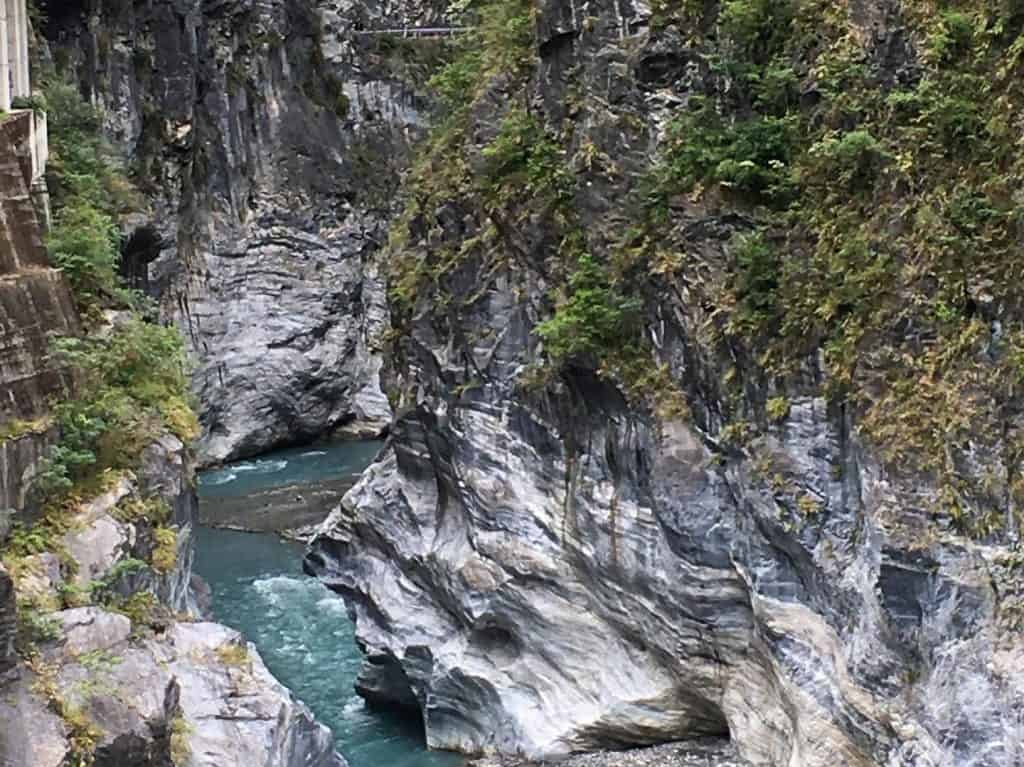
(268, 137)
(35, 304)
(627, 553)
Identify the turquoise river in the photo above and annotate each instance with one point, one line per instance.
(299, 627)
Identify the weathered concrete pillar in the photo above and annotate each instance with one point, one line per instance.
(5, 59)
(22, 85)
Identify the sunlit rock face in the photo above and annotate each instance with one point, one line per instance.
(267, 140)
(537, 601)
(549, 569)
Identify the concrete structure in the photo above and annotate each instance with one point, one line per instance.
(14, 64)
(15, 83)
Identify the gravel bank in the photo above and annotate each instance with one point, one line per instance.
(710, 752)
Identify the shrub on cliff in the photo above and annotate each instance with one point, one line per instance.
(593, 318)
(132, 385)
(131, 381)
(89, 191)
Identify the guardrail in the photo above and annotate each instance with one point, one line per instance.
(414, 31)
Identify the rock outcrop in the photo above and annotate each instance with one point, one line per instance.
(128, 679)
(268, 138)
(546, 569)
(196, 696)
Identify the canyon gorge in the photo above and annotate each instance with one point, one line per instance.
(692, 330)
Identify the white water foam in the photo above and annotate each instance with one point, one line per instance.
(262, 466)
(218, 478)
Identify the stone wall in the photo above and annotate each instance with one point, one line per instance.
(14, 66)
(35, 304)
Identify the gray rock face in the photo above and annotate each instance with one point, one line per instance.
(8, 620)
(194, 697)
(545, 571)
(534, 601)
(268, 139)
(29, 732)
(90, 629)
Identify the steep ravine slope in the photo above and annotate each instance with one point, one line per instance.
(104, 657)
(705, 424)
(268, 139)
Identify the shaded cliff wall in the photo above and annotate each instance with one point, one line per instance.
(268, 138)
(35, 303)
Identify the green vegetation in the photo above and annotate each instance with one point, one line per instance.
(752, 157)
(35, 625)
(89, 192)
(180, 734)
(875, 221)
(131, 381)
(593, 317)
(523, 176)
(886, 218)
(129, 378)
(141, 608)
(132, 386)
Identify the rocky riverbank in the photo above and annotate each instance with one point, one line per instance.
(699, 753)
(293, 509)
(113, 665)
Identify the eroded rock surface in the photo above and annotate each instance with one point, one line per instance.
(268, 139)
(547, 569)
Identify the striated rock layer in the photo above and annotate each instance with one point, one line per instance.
(268, 139)
(547, 570)
(35, 304)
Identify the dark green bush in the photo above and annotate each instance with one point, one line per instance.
(524, 158)
(758, 28)
(848, 160)
(758, 270)
(749, 156)
(595, 318)
(89, 192)
(132, 384)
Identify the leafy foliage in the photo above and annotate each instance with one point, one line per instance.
(89, 192)
(593, 318)
(524, 159)
(750, 156)
(885, 217)
(132, 385)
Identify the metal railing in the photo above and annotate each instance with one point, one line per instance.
(414, 31)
